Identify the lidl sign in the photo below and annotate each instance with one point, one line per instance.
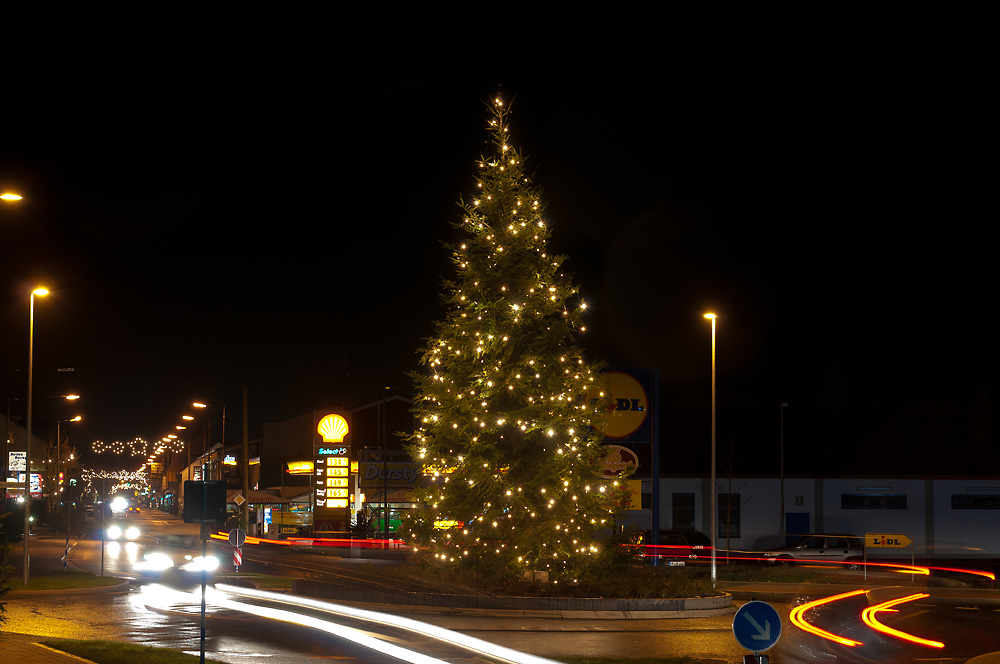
(887, 540)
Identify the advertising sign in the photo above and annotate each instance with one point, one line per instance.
(397, 475)
(887, 540)
(629, 417)
(36, 483)
(15, 461)
(618, 459)
(332, 475)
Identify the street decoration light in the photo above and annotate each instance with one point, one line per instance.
(713, 519)
(41, 292)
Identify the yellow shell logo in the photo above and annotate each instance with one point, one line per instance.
(333, 428)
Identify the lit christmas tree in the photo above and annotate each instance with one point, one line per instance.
(508, 408)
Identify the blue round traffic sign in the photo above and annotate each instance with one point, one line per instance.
(757, 626)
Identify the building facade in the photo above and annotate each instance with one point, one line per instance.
(943, 517)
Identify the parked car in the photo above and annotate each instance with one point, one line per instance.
(828, 548)
(675, 546)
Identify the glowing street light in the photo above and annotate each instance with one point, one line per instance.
(41, 292)
(7, 196)
(713, 518)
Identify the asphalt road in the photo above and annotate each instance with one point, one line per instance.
(234, 636)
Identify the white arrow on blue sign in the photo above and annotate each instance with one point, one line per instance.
(757, 626)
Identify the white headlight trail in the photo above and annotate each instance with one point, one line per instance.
(357, 636)
(440, 633)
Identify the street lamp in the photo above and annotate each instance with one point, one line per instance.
(41, 292)
(208, 434)
(781, 523)
(712, 516)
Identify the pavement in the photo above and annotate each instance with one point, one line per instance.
(27, 649)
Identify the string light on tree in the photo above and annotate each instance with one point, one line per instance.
(508, 404)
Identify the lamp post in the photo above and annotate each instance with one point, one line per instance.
(41, 292)
(58, 484)
(58, 450)
(711, 508)
(781, 521)
(385, 474)
(208, 435)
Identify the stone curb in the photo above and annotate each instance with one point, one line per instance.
(525, 607)
(117, 588)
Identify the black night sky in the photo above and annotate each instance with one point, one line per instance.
(275, 221)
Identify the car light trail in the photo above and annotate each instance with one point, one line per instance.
(868, 615)
(433, 631)
(357, 636)
(977, 572)
(797, 616)
(320, 541)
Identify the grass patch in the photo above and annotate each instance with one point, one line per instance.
(116, 652)
(64, 581)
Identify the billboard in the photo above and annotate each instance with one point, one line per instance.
(15, 461)
(630, 413)
(393, 474)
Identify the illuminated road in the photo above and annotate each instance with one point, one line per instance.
(964, 630)
(237, 637)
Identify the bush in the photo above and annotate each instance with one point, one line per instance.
(623, 582)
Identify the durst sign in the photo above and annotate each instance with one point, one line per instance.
(397, 475)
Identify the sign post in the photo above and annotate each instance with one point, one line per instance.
(887, 541)
(756, 627)
(237, 537)
(204, 503)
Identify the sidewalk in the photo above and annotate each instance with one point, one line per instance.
(26, 649)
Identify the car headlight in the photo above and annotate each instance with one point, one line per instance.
(198, 564)
(114, 532)
(131, 533)
(155, 561)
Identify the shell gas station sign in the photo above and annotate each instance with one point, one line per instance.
(331, 468)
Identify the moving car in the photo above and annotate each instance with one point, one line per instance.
(121, 530)
(675, 546)
(822, 547)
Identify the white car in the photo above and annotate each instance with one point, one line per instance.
(818, 548)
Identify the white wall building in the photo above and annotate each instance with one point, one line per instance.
(945, 518)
